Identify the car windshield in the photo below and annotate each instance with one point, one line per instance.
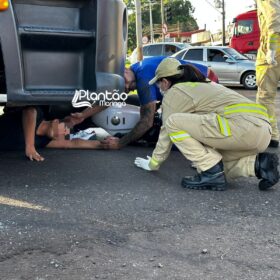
(235, 54)
(179, 54)
(182, 45)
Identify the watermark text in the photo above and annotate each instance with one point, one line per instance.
(86, 98)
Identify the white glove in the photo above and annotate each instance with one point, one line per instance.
(270, 57)
(143, 163)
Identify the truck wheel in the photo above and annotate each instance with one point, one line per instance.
(249, 80)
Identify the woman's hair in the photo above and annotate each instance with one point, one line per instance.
(190, 74)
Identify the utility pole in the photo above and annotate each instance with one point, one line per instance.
(151, 22)
(139, 30)
(224, 26)
(220, 4)
(162, 20)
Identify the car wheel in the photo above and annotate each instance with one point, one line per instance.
(249, 80)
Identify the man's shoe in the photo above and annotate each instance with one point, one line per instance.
(273, 144)
(211, 179)
(266, 170)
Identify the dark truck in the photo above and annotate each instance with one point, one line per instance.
(50, 48)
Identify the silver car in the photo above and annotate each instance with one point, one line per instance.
(158, 49)
(231, 66)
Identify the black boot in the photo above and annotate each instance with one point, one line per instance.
(273, 144)
(266, 170)
(213, 179)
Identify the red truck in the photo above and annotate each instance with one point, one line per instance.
(246, 34)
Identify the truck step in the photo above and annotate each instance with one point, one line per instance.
(30, 30)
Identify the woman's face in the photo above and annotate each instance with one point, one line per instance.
(163, 85)
(57, 129)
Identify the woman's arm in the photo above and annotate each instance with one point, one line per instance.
(29, 115)
(75, 144)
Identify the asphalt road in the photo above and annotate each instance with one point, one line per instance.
(94, 215)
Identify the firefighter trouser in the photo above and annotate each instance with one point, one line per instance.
(200, 140)
(268, 77)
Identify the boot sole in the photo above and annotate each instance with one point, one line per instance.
(215, 187)
(265, 183)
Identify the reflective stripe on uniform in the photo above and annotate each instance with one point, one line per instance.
(224, 126)
(274, 42)
(191, 84)
(272, 119)
(261, 68)
(178, 136)
(154, 162)
(246, 108)
(274, 38)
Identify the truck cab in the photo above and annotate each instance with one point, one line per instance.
(51, 48)
(246, 34)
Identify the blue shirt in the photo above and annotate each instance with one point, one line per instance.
(145, 70)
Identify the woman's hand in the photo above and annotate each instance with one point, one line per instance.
(32, 154)
(146, 164)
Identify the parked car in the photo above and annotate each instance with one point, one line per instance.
(231, 66)
(158, 49)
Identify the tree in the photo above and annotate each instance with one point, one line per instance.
(131, 40)
(182, 13)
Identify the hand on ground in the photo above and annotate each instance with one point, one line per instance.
(32, 154)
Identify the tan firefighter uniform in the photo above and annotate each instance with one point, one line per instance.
(268, 75)
(209, 122)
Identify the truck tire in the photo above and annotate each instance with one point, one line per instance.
(249, 80)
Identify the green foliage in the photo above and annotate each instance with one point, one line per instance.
(182, 13)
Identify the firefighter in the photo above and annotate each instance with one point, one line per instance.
(220, 131)
(268, 60)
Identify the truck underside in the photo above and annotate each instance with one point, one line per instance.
(50, 48)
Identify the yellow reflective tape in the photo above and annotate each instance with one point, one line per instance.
(246, 108)
(153, 164)
(224, 126)
(179, 139)
(261, 68)
(275, 36)
(178, 136)
(186, 135)
(246, 111)
(272, 119)
(177, 133)
(246, 105)
(191, 84)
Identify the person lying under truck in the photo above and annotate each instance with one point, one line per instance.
(137, 77)
(222, 132)
(26, 129)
